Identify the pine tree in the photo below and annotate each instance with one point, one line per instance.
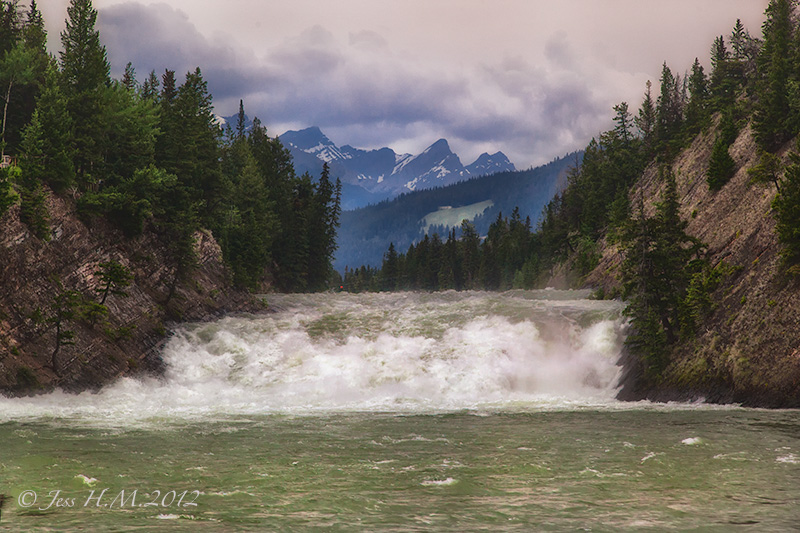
(292, 263)
(698, 89)
(433, 263)
(390, 269)
(62, 311)
(33, 210)
(772, 122)
(646, 120)
(491, 273)
(85, 74)
(150, 87)
(248, 246)
(786, 207)
(129, 78)
(721, 86)
(240, 121)
(198, 139)
(289, 196)
(656, 270)
(47, 149)
(34, 33)
(739, 37)
(249, 225)
(167, 143)
(130, 123)
(323, 223)
(669, 113)
(768, 170)
(470, 253)
(721, 166)
(83, 61)
(740, 45)
(10, 26)
(624, 123)
(114, 278)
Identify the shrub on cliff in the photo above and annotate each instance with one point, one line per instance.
(721, 166)
(787, 213)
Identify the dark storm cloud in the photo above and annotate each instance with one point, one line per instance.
(308, 78)
(533, 78)
(356, 86)
(158, 37)
(517, 106)
(155, 37)
(544, 94)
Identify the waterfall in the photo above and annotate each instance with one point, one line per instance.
(394, 352)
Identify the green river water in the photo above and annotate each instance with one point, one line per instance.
(404, 412)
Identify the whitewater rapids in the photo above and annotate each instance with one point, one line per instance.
(394, 352)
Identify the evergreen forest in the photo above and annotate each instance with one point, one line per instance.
(149, 156)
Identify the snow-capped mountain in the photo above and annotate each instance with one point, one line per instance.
(372, 175)
(435, 166)
(490, 164)
(313, 141)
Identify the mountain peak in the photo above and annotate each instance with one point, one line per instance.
(307, 138)
(312, 141)
(490, 164)
(439, 146)
(383, 173)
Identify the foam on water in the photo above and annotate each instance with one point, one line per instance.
(378, 352)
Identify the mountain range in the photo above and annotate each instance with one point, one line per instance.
(365, 233)
(369, 176)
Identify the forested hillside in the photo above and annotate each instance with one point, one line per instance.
(143, 172)
(366, 232)
(689, 209)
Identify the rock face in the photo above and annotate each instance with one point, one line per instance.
(748, 350)
(127, 340)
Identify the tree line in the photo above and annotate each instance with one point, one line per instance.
(151, 157)
(365, 231)
(463, 261)
(666, 279)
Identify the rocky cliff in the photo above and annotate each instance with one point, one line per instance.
(125, 341)
(748, 349)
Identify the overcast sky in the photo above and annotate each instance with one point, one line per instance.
(533, 78)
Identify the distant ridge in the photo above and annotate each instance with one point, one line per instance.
(365, 233)
(369, 176)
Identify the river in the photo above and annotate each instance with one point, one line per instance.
(396, 412)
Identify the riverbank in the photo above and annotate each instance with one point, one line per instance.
(127, 339)
(748, 348)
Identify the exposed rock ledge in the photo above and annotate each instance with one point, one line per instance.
(129, 339)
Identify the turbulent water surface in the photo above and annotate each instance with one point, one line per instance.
(451, 411)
